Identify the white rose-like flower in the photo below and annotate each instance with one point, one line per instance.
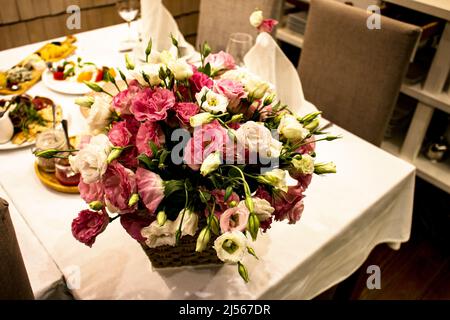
(159, 235)
(167, 57)
(210, 164)
(256, 18)
(181, 69)
(291, 129)
(304, 165)
(190, 222)
(91, 161)
(261, 208)
(213, 102)
(257, 138)
(231, 246)
(99, 114)
(201, 118)
(150, 70)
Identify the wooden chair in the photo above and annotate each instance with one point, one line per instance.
(14, 283)
(352, 73)
(220, 18)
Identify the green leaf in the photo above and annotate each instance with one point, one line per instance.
(153, 147)
(146, 160)
(207, 69)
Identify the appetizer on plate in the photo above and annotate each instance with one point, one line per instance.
(29, 116)
(25, 74)
(78, 71)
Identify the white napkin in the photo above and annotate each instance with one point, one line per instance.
(158, 23)
(267, 60)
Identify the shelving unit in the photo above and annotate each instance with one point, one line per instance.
(430, 96)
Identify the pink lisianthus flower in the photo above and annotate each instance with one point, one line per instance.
(233, 90)
(119, 134)
(134, 222)
(123, 101)
(152, 105)
(235, 218)
(199, 80)
(91, 192)
(185, 110)
(206, 139)
(308, 148)
(119, 184)
(220, 62)
(149, 131)
(150, 188)
(288, 205)
(267, 25)
(88, 225)
(221, 204)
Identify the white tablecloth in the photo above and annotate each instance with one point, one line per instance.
(369, 201)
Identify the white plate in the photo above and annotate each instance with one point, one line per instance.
(64, 86)
(11, 146)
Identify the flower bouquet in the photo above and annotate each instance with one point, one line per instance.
(195, 161)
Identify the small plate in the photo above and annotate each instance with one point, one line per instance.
(49, 180)
(11, 146)
(64, 86)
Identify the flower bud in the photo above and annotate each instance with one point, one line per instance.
(232, 204)
(203, 239)
(269, 99)
(253, 226)
(214, 224)
(323, 168)
(133, 199)
(96, 205)
(236, 118)
(210, 164)
(93, 86)
(85, 102)
(201, 118)
(115, 153)
(128, 62)
(251, 251)
(249, 204)
(46, 154)
(243, 272)
(161, 218)
(256, 18)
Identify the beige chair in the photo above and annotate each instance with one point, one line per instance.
(14, 283)
(351, 73)
(220, 18)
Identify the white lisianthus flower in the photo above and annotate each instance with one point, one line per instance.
(291, 129)
(211, 163)
(304, 165)
(256, 88)
(181, 69)
(231, 246)
(211, 101)
(158, 235)
(261, 208)
(167, 57)
(190, 222)
(256, 18)
(278, 178)
(150, 70)
(201, 118)
(257, 138)
(91, 161)
(99, 114)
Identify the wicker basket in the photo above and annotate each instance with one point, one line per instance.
(182, 255)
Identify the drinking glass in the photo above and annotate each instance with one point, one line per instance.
(238, 45)
(128, 10)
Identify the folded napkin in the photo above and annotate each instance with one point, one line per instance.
(267, 60)
(158, 23)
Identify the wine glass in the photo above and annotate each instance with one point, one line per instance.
(128, 10)
(238, 45)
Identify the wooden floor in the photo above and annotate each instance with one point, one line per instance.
(420, 270)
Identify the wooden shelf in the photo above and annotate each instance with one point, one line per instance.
(289, 36)
(437, 8)
(440, 101)
(436, 173)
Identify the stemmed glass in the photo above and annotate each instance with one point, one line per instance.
(238, 45)
(128, 10)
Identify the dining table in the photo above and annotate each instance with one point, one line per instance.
(368, 201)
